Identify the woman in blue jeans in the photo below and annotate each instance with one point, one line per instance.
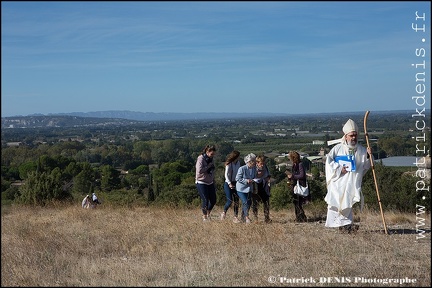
(232, 164)
(204, 179)
(244, 186)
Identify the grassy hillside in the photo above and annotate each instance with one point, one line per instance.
(71, 246)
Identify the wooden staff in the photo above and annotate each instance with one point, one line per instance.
(373, 171)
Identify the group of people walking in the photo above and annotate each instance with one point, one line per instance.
(250, 183)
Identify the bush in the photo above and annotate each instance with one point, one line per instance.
(42, 188)
(281, 196)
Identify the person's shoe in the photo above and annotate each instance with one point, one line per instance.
(268, 220)
(248, 221)
(353, 228)
(348, 228)
(205, 218)
(223, 215)
(344, 229)
(301, 219)
(236, 220)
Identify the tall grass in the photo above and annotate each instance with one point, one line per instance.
(71, 246)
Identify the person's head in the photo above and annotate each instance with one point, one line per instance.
(232, 157)
(249, 159)
(294, 156)
(350, 130)
(209, 150)
(260, 161)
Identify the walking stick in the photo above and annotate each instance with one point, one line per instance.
(373, 171)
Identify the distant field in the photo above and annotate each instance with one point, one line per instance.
(71, 246)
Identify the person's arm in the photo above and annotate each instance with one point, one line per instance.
(369, 157)
(228, 174)
(240, 176)
(333, 169)
(367, 160)
(200, 167)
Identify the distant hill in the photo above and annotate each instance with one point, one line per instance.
(117, 118)
(52, 121)
(172, 116)
(122, 118)
(167, 116)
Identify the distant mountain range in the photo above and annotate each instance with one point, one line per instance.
(115, 117)
(166, 116)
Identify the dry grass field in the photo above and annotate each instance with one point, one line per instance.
(71, 246)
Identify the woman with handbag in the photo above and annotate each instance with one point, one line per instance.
(298, 175)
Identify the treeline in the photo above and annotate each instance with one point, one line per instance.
(161, 172)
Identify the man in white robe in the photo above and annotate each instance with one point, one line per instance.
(344, 177)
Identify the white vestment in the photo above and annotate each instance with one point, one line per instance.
(344, 190)
(85, 202)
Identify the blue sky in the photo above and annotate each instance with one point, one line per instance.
(275, 57)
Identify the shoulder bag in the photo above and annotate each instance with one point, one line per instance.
(300, 190)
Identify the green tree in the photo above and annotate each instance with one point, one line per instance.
(223, 149)
(397, 190)
(109, 178)
(315, 172)
(83, 182)
(26, 168)
(42, 188)
(171, 174)
(140, 170)
(281, 196)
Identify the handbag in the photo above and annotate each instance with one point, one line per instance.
(300, 190)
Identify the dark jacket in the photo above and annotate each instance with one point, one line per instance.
(298, 174)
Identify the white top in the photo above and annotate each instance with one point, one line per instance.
(231, 171)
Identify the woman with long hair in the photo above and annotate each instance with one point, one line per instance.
(204, 179)
(232, 165)
(298, 173)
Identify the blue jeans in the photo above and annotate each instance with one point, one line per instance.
(246, 202)
(208, 197)
(231, 196)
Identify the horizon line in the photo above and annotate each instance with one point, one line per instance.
(238, 113)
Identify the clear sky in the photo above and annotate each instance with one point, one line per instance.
(276, 57)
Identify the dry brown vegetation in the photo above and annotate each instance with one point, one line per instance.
(71, 246)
